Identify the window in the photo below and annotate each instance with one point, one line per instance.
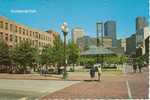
(11, 27)
(33, 34)
(6, 37)
(27, 32)
(19, 30)
(39, 36)
(16, 28)
(23, 31)
(11, 37)
(1, 24)
(6, 26)
(39, 44)
(16, 39)
(20, 39)
(36, 34)
(1, 34)
(30, 33)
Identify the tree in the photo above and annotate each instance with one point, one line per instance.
(86, 47)
(5, 60)
(72, 53)
(123, 59)
(46, 56)
(4, 53)
(58, 52)
(24, 55)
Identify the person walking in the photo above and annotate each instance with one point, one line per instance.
(134, 67)
(140, 67)
(99, 72)
(92, 72)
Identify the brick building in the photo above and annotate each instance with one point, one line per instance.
(13, 33)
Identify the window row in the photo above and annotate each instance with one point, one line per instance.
(9, 38)
(23, 31)
(6, 37)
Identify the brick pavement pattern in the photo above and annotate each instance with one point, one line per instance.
(111, 87)
(139, 84)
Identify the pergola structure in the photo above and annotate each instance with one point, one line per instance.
(97, 51)
(94, 50)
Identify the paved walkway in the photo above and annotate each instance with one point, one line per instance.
(30, 76)
(133, 86)
(92, 90)
(30, 89)
(79, 85)
(139, 84)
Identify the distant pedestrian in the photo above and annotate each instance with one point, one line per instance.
(42, 70)
(92, 72)
(140, 67)
(134, 67)
(99, 72)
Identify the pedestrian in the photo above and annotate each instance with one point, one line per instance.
(92, 72)
(99, 72)
(134, 67)
(140, 67)
(42, 70)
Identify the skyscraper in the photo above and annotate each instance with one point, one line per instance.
(131, 45)
(140, 23)
(77, 32)
(110, 31)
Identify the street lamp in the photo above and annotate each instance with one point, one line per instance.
(99, 30)
(64, 29)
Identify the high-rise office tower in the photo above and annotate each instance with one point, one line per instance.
(140, 23)
(110, 31)
(77, 32)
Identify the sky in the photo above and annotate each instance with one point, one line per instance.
(50, 14)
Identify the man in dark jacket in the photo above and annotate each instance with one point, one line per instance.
(92, 72)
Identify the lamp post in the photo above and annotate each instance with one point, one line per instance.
(64, 29)
(99, 30)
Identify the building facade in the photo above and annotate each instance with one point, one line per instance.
(123, 44)
(107, 41)
(141, 22)
(13, 33)
(110, 31)
(131, 45)
(76, 33)
(145, 45)
(87, 41)
(83, 43)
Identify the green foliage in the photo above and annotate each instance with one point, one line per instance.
(114, 59)
(87, 60)
(24, 54)
(4, 53)
(123, 59)
(140, 60)
(86, 47)
(53, 54)
(46, 55)
(58, 51)
(72, 53)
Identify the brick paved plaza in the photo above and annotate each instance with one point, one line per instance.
(111, 86)
(78, 85)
